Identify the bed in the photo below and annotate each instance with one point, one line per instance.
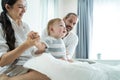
(62, 70)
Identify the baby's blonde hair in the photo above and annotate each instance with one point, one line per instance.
(51, 22)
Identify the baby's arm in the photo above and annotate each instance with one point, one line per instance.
(41, 47)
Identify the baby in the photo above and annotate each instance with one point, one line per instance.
(53, 43)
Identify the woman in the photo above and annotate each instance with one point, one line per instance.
(15, 46)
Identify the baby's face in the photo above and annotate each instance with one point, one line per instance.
(59, 29)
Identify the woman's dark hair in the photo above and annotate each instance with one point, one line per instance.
(6, 24)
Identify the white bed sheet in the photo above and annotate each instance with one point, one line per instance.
(61, 70)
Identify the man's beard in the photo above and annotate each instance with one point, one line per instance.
(68, 28)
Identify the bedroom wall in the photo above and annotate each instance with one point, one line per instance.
(66, 6)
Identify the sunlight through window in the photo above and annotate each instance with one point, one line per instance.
(106, 30)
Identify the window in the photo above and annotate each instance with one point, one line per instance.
(106, 30)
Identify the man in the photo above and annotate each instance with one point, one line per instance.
(71, 39)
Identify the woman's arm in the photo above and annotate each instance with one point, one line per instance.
(10, 56)
(41, 46)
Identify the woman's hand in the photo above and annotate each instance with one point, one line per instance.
(33, 35)
(32, 38)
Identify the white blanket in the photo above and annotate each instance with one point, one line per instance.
(61, 70)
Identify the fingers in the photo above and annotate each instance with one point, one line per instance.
(33, 35)
(30, 34)
(32, 42)
(32, 38)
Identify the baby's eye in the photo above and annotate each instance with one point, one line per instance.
(61, 25)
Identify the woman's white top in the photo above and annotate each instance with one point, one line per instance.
(20, 35)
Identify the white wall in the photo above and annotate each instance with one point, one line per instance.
(32, 15)
(66, 6)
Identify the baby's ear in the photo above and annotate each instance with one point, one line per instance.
(51, 28)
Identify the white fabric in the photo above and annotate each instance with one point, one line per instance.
(61, 70)
(71, 41)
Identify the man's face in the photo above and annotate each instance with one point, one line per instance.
(70, 22)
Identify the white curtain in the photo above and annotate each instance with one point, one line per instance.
(48, 11)
(39, 12)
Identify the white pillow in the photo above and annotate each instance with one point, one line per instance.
(48, 65)
(57, 69)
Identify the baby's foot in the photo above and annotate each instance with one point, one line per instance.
(3, 77)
